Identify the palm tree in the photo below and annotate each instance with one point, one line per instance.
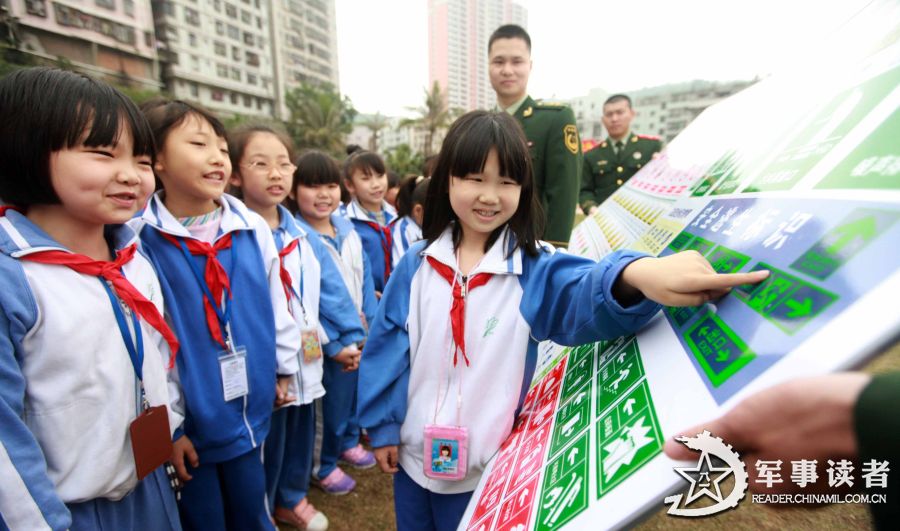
(319, 117)
(374, 123)
(433, 116)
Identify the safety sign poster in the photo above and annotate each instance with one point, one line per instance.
(811, 194)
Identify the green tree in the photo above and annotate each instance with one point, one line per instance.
(403, 160)
(319, 118)
(374, 123)
(434, 115)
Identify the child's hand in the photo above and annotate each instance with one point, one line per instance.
(282, 386)
(387, 459)
(682, 279)
(349, 358)
(181, 449)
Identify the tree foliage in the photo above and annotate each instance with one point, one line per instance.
(403, 160)
(432, 116)
(374, 123)
(319, 118)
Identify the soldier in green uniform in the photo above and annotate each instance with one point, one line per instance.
(550, 129)
(610, 164)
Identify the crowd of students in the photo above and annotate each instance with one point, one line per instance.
(191, 358)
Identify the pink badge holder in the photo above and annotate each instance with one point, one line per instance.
(446, 452)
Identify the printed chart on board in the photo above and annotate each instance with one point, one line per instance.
(811, 193)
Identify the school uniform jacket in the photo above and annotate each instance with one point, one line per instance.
(346, 251)
(405, 232)
(326, 303)
(260, 322)
(407, 363)
(374, 239)
(68, 391)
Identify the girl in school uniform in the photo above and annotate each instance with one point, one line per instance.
(320, 304)
(454, 342)
(215, 258)
(83, 344)
(365, 179)
(315, 195)
(406, 229)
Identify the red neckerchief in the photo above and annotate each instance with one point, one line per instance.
(458, 310)
(286, 281)
(387, 243)
(214, 274)
(112, 272)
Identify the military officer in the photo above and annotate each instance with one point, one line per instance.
(550, 129)
(611, 163)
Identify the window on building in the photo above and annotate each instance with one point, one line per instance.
(128, 7)
(252, 59)
(221, 70)
(234, 32)
(248, 38)
(258, 22)
(235, 53)
(192, 40)
(195, 90)
(251, 79)
(108, 4)
(246, 17)
(235, 74)
(259, 103)
(168, 8)
(220, 49)
(231, 11)
(148, 39)
(220, 27)
(217, 95)
(191, 16)
(248, 100)
(234, 98)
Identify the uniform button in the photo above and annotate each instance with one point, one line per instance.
(619, 182)
(620, 169)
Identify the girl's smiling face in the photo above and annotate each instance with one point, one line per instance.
(368, 187)
(484, 201)
(265, 172)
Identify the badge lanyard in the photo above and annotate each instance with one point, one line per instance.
(135, 348)
(223, 317)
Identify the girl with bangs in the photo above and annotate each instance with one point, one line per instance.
(453, 346)
(84, 428)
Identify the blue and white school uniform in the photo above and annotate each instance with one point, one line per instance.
(337, 427)
(68, 393)
(377, 239)
(404, 232)
(408, 357)
(318, 298)
(227, 435)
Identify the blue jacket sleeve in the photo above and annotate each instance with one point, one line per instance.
(370, 302)
(337, 315)
(384, 366)
(29, 499)
(568, 299)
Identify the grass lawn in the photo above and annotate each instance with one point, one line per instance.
(370, 506)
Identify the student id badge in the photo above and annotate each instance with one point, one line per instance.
(151, 441)
(233, 366)
(446, 451)
(312, 347)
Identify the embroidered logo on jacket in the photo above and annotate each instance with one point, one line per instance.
(489, 326)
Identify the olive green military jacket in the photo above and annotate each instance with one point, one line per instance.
(556, 159)
(878, 435)
(604, 171)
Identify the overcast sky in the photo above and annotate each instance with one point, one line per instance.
(582, 44)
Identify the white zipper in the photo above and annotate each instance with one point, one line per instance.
(244, 412)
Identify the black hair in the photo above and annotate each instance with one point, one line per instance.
(464, 151)
(365, 161)
(616, 98)
(393, 179)
(43, 110)
(314, 168)
(413, 191)
(352, 148)
(510, 31)
(239, 137)
(165, 115)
